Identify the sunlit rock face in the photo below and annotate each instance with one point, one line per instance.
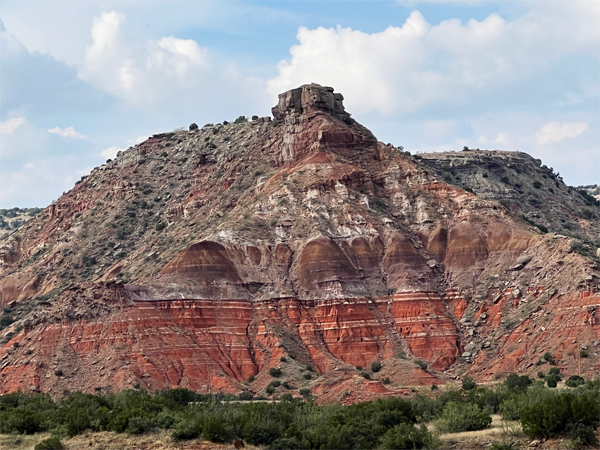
(204, 258)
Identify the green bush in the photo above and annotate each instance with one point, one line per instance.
(549, 358)
(188, 428)
(275, 372)
(515, 382)
(574, 381)
(139, 424)
(245, 396)
(272, 386)
(365, 374)
(283, 359)
(406, 436)
(468, 384)
(582, 435)
(376, 366)
(304, 392)
(554, 371)
(458, 417)
(214, 430)
(552, 380)
(52, 443)
(560, 413)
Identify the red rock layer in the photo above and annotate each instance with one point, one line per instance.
(178, 342)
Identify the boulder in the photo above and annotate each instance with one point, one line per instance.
(524, 259)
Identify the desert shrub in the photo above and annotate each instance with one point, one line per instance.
(139, 424)
(468, 384)
(58, 373)
(406, 436)
(275, 372)
(359, 368)
(549, 358)
(574, 381)
(458, 417)
(376, 366)
(554, 371)
(52, 443)
(365, 374)
(515, 382)
(283, 359)
(272, 386)
(307, 376)
(245, 396)
(78, 422)
(188, 428)
(304, 392)
(422, 364)
(560, 413)
(21, 421)
(582, 435)
(385, 380)
(214, 430)
(552, 380)
(5, 320)
(537, 184)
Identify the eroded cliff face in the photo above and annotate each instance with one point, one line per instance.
(202, 259)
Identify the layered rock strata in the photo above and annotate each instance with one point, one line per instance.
(202, 259)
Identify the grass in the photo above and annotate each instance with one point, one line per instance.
(113, 441)
(499, 428)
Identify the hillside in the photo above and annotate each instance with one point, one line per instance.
(523, 185)
(203, 258)
(12, 219)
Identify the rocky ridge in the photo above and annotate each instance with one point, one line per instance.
(204, 258)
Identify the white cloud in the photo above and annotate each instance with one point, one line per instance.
(111, 152)
(68, 132)
(402, 69)
(10, 125)
(501, 138)
(170, 74)
(556, 131)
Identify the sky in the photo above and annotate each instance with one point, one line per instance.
(81, 80)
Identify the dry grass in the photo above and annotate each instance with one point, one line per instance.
(498, 429)
(21, 442)
(113, 441)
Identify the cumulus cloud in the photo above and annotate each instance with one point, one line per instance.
(68, 132)
(111, 152)
(556, 131)
(402, 69)
(10, 125)
(502, 138)
(170, 72)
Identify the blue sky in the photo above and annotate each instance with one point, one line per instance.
(80, 80)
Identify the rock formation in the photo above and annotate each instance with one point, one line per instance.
(203, 258)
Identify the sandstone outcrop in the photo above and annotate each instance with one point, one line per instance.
(202, 258)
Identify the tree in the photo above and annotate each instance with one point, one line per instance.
(468, 383)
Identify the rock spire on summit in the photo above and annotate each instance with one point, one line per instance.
(309, 97)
